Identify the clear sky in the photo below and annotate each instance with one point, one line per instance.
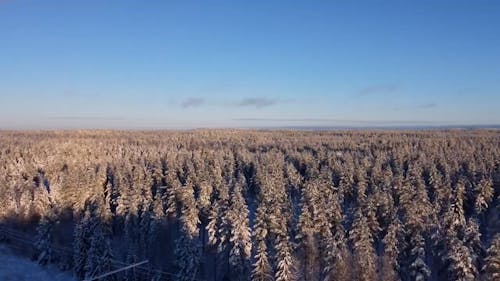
(183, 64)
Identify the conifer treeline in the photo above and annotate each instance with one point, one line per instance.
(258, 205)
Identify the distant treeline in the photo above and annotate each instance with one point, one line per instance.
(256, 205)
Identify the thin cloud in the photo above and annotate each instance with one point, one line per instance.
(342, 121)
(193, 102)
(377, 90)
(86, 118)
(428, 105)
(258, 102)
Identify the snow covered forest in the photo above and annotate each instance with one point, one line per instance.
(255, 205)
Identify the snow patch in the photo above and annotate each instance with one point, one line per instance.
(16, 268)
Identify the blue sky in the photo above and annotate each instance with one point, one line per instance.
(184, 64)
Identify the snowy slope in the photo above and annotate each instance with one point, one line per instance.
(15, 268)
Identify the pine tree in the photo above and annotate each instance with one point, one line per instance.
(337, 259)
(219, 227)
(364, 253)
(43, 244)
(472, 240)
(240, 238)
(213, 223)
(285, 268)
(461, 267)
(156, 223)
(132, 242)
(81, 245)
(392, 242)
(99, 254)
(169, 197)
(187, 249)
(306, 240)
(145, 225)
(262, 270)
(484, 195)
(335, 252)
(455, 218)
(272, 183)
(491, 268)
(418, 269)
(42, 201)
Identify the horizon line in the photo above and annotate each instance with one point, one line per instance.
(290, 127)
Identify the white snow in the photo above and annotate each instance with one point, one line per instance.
(16, 268)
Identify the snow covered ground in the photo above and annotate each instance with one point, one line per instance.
(16, 268)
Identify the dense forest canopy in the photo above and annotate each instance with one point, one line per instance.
(255, 205)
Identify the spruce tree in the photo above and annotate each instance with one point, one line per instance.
(262, 270)
(44, 237)
(188, 246)
(240, 237)
(362, 243)
(491, 268)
